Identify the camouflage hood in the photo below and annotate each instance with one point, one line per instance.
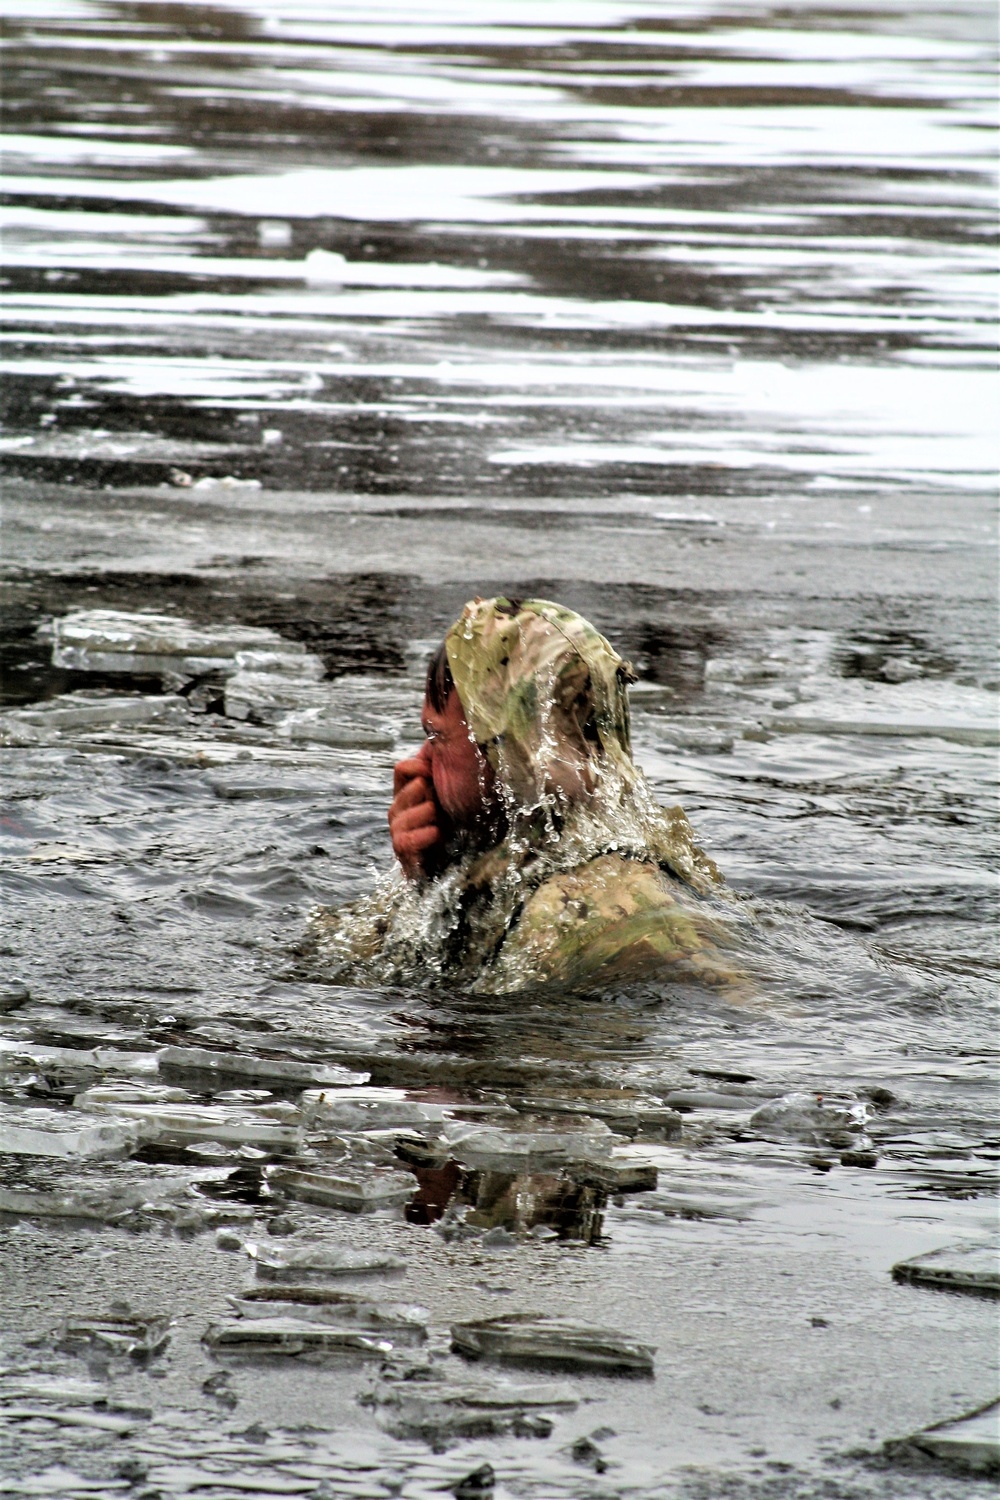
(544, 694)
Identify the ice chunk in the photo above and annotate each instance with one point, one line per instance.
(631, 1117)
(111, 1094)
(69, 1066)
(275, 1125)
(401, 1320)
(81, 710)
(325, 727)
(970, 1442)
(203, 1060)
(377, 1189)
(65, 1133)
(487, 1147)
(814, 1119)
(437, 1409)
(971, 1268)
(105, 1203)
(535, 1338)
(99, 1421)
(325, 267)
(288, 1335)
(689, 1099)
(929, 726)
(124, 1334)
(109, 640)
(286, 1262)
(694, 1205)
(69, 1391)
(368, 1108)
(290, 662)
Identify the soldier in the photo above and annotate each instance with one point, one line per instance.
(530, 847)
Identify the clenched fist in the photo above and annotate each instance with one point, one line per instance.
(414, 815)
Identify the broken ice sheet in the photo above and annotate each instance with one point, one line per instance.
(100, 1421)
(971, 1268)
(438, 1410)
(286, 1334)
(204, 1061)
(355, 1194)
(298, 705)
(488, 1147)
(275, 1125)
(368, 1108)
(970, 1442)
(110, 1094)
(70, 1065)
(316, 1259)
(109, 640)
(83, 710)
(403, 1321)
(814, 1119)
(105, 1204)
(644, 1116)
(127, 1334)
(535, 1338)
(64, 1133)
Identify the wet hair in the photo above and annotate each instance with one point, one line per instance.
(440, 683)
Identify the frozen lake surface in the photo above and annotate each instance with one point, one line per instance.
(320, 320)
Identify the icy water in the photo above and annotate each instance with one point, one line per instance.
(319, 321)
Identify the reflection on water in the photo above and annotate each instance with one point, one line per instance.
(320, 322)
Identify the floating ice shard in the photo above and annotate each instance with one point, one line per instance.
(108, 1095)
(377, 1189)
(436, 1409)
(274, 1125)
(971, 1268)
(970, 1442)
(304, 708)
(64, 1133)
(631, 1117)
(713, 1204)
(535, 1338)
(368, 1109)
(81, 710)
(968, 732)
(289, 1335)
(288, 661)
(109, 640)
(104, 1203)
(100, 1421)
(815, 1119)
(124, 1334)
(70, 1391)
(203, 1060)
(286, 1262)
(70, 1067)
(689, 1099)
(403, 1321)
(486, 1146)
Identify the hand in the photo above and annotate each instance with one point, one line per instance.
(414, 817)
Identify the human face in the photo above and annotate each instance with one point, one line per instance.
(462, 776)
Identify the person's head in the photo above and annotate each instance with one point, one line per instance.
(525, 703)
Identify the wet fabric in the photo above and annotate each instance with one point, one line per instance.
(592, 881)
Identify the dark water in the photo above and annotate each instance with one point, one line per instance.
(320, 320)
